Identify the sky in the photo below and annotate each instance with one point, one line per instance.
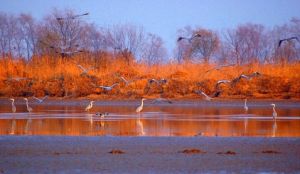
(165, 17)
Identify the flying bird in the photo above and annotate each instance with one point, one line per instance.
(220, 82)
(40, 100)
(189, 39)
(71, 17)
(287, 39)
(208, 98)
(107, 88)
(84, 70)
(219, 67)
(160, 81)
(157, 100)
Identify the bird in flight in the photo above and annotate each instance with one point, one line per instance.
(40, 100)
(71, 17)
(287, 39)
(189, 39)
(208, 98)
(107, 88)
(84, 70)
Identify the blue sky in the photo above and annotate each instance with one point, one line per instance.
(165, 17)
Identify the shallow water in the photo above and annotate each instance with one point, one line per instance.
(182, 118)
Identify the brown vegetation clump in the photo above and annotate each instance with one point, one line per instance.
(227, 153)
(116, 151)
(192, 151)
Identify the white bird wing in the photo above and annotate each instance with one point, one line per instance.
(39, 100)
(82, 68)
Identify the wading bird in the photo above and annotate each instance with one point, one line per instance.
(29, 109)
(140, 108)
(245, 105)
(107, 88)
(102, 115)
(40, 100)
(189, 39)
(71, 17)
(89, 106)
(13, 107)
(274, 112)
(287, 39)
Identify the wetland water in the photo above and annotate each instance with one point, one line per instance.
(182, 118)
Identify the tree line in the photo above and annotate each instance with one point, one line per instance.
(63, 34)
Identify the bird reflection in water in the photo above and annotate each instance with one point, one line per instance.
(140, 127)
(274, 128)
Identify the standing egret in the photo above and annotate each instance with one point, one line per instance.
(29, 109)
(140, 108)
(245, 105)
(274, 111)
(89, 106)
(13, 107)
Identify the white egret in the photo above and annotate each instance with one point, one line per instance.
(140, 108)
(274, 111)
(89, 106)
(245, 105)
(13, 107)
(29, 109)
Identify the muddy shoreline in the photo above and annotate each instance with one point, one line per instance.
(67, 154)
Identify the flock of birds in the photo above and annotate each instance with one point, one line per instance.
(102, 115)
(85, 71)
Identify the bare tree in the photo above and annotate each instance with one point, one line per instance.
(198, 48)
(153, 52)
(247, 43)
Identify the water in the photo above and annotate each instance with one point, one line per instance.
(183, 118)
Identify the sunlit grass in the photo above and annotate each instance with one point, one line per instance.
(61, 77)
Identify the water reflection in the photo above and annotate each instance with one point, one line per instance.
(156, 120)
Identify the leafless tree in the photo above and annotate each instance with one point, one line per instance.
(153, 52)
